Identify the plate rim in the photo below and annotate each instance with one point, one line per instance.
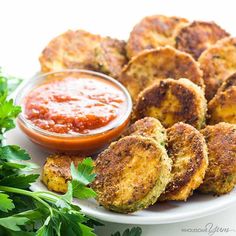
(153, 220)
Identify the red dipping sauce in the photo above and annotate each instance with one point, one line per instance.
(74, 111)
(74, 105)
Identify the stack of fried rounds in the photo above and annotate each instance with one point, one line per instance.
(181, 76)
(144, 167)
(132, 174)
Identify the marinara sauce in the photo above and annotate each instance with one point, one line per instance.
(73, 111)
(73, 105)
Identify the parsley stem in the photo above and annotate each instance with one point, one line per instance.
(46, 197)
(48, 193)
(26, 193)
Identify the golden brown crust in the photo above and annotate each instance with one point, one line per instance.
(198, 36)
(228, 83)
(111, 56)
(220, 177)
(188, 151)
(222, 108)
(80, 49)
(131, 174)
(172, 101)
(148, 127)
(217, 63)
(152, 32)
(162, 63)
(56, 171)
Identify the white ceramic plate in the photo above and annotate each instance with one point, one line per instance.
(197, 206)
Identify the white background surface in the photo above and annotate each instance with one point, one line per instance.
(27, 26)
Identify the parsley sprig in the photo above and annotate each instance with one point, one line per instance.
(23, 212)
(8, 112)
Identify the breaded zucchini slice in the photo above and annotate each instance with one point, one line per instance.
(149, 66)
(172, 101)
(131, 174)
(222, 108)
(188, 151)
(152, 32)
(83, 50)
(56, 171)
(217, 63)
(198, 36)
(220, 176)
(228, 83)
(148, 127)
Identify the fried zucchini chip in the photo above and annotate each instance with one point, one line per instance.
(82, 50)
(220, 176)
(131, 174)
(162, 63)
(228, 83)
(198, 36)
(152, 32)
(148, 127)
(222, 108)
(217, 63)
(56, 171)
(188, 151)
(172, 101)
